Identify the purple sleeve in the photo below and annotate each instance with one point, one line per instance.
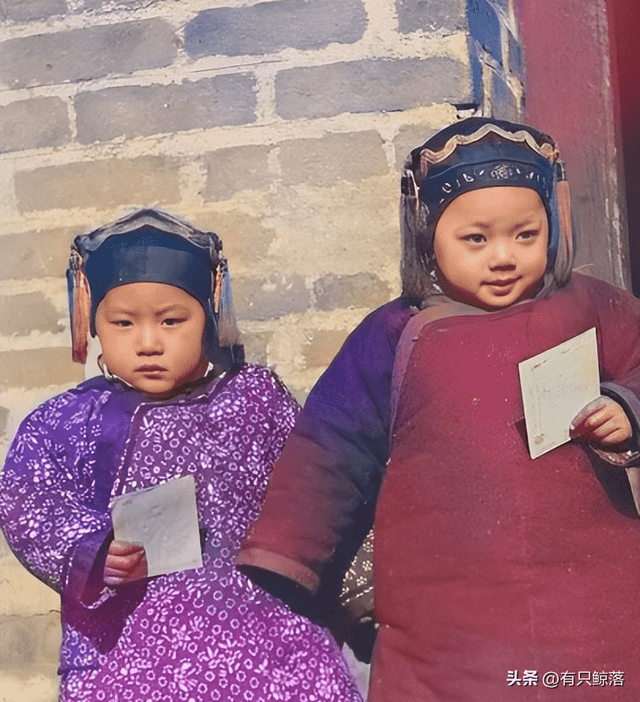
(321, 495)
(45, 489)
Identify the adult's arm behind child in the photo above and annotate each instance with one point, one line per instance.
(321, 495)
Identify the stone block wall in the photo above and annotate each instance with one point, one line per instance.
(281, 125)
(497, 58)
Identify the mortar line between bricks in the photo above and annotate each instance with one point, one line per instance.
(408, 47)
(177, 144)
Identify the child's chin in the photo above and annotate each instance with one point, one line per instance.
(501, 302)
(495, 305)
(156, 390)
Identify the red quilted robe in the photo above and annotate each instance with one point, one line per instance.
(499, 578)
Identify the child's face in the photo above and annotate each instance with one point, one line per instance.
(491, 247)
(151, 337)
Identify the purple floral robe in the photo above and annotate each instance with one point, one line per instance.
(202, 634)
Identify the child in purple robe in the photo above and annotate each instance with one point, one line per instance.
(497, 577)
(176, 400)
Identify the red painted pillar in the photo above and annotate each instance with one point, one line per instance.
(569, 94)
(624, 33)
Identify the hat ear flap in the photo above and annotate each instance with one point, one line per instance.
(79, 308)
(228, 333)
(416, 236)
(565, 244)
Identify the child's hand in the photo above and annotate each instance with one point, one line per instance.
(603, 423)
(125, 563)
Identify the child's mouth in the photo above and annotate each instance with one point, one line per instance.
(501, 283)
(502, 287)
(151, 370)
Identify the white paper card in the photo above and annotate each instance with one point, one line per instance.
(164, 519)
(556, 385)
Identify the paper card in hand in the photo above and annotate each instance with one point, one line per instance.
(556, 385)
(164, 519)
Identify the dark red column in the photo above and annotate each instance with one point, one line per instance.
(570, 94)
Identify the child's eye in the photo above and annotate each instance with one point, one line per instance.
(474, 238)
(122, 322)
(529, 234)
(172, 321)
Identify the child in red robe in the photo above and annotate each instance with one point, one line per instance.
(497, 577)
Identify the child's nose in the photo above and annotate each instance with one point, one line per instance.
(502, 255)
(149, 341)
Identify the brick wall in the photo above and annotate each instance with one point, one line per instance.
(281, 125)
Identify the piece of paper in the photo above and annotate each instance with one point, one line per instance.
(556, 385)
(164, 519)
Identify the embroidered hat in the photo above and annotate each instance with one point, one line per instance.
(153, 246)
(474, 153)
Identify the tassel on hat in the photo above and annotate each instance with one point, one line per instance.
(561, 233)
(228, 333)
(79, 307)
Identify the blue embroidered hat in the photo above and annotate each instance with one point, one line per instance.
(151, 255)
(474, 153)
(153, 246)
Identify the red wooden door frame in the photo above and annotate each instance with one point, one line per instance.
(570, 94)
(624, 33)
